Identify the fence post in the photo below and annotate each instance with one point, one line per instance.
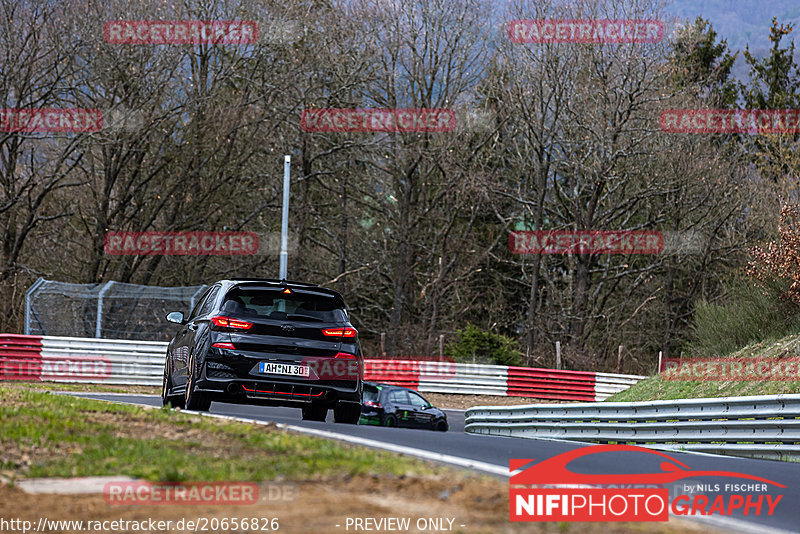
(28, 311)
(383, 344)
(558, 355)
(619, 360)
(658, 369)
(441, 346)
(99, 324)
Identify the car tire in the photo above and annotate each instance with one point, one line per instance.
(315, 412)
(389, 420)
(346, 414)
(167, 397)
(195, 400)
(442, 426)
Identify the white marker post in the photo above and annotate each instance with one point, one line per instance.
(287, 164)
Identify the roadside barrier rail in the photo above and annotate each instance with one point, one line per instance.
(114, 361)
(766, 426)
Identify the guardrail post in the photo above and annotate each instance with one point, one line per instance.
(619, 360)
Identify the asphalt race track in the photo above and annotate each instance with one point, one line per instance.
(497, 451)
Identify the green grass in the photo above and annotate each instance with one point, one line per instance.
(47, 435)
(655, 387)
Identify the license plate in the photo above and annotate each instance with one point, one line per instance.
(284, 369)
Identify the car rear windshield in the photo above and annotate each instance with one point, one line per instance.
(371, 393)
(274, 304)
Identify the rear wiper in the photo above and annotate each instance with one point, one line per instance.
(304, 317)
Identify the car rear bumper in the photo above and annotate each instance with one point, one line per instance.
(244, 390)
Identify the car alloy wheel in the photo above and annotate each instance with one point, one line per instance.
(195, 400)
(390, 420)
(315, 412)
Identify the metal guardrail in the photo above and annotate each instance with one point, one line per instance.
(765, 426)
(475, 379)
(109, 361)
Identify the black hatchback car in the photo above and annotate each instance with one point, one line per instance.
(269, 342)
(388, 405)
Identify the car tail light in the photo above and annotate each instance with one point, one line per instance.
(345, 356)
(373, 404)
(227, 322)
(340, 332)
(221, 345)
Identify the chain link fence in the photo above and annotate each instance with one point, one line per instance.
(111, 310)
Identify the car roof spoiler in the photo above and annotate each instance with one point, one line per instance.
(303, 286)
(273, 281)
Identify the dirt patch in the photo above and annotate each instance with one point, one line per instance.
(478, 503)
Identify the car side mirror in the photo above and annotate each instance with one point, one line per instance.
(175, 317)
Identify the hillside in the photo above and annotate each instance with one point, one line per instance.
(656, 387)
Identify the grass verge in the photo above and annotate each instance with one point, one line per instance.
(92, 388)
(47, 435)
(657, 388)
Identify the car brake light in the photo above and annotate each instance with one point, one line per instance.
(373, 404)
(345, 356)
(340, 332)
(227, 322)
(221, 345)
